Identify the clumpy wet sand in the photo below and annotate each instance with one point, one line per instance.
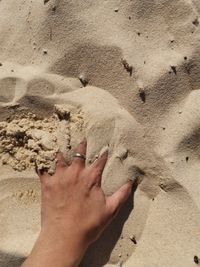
(125, 75)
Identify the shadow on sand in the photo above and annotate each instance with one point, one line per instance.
(99, 253)
(11, 260)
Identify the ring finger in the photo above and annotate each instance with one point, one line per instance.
(80, 155)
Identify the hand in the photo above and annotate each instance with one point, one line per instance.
(75, 210)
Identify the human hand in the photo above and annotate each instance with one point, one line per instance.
(74, 208)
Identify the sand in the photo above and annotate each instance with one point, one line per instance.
(125, 75)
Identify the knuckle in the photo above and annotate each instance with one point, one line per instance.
(70, 182)
(50, 183)
(93, 174)
(61, 164)
(98, 167)
(95, 167)
(86, 188)
(86, 185)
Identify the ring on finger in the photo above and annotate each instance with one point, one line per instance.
(78, 155)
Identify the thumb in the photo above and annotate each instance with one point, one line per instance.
(115, 201)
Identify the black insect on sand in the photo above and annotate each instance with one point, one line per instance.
(196, 259)
(196, 22)
(142, 95)
(127, 67)
(174, 69)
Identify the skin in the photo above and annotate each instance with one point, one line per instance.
(74, 211)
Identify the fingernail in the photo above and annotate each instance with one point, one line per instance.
(133, 179)
(42, 171)
(104, 152)
(39, 171)
(84, 140)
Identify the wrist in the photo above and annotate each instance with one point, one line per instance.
(57, 249)
(68, 244)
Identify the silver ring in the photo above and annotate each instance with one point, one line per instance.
(78, 155)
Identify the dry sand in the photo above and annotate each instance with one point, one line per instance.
(124, 74)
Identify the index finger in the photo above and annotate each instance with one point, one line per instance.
(81, 150)
(42, 173)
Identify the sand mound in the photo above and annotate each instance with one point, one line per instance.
(27, 141)
(125, 74)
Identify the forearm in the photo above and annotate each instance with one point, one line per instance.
(52, 251)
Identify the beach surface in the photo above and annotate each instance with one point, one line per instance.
(125, 75)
